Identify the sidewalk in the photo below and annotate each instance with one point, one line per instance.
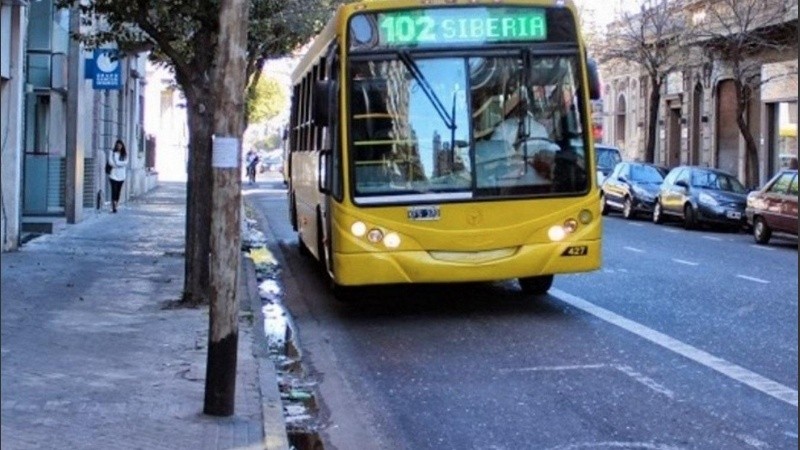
(91, 359)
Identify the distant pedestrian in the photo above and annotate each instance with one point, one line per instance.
(252, 160)
(119, 162)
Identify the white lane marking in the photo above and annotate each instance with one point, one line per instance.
(617, 444)
(627, 370)
(688, 263)
(553, 368)
(757, 280)
(645, 380)
(751, 441)
(713, 238)
(671, 230)
(737, 373)
(634, 249)
(762, 247)
(635, 224)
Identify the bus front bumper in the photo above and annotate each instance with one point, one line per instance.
(356, 269)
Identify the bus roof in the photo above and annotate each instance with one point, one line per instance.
(336, 25)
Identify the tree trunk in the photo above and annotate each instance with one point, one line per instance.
(751, 149)
(198, 201)
(652, 120)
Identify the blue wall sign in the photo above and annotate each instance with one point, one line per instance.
(107, 69)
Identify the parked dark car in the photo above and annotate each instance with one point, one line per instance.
(606, 157)
(631, 188)
(701, 195)
(773, 208)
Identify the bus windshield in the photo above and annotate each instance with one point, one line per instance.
(465, 127)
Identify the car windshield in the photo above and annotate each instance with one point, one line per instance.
(646, 174)
(717, 181)
(465, 127)
(607, 157)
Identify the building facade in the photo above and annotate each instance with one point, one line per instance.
(697, 112)
(71, 105)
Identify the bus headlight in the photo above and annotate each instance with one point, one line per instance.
(585, 216)
(358, 229)
(570, 226)
(556, 233)
(392, 240)
(375, 235)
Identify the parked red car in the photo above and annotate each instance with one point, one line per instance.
(773, 208)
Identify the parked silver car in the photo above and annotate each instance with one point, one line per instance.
(701, 195)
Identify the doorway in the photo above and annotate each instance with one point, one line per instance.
(673, 156)
(727, 130)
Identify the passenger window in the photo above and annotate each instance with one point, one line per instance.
(673, 175)
(684, 175)
(781, 185)
(793, 186)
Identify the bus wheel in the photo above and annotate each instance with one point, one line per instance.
(304, 251)
(344, 294)
(293, 211)
(536, 285)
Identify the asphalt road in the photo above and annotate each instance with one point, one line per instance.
(684, 340)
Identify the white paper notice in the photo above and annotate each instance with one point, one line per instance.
(225, 152)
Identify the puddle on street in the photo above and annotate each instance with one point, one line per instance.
(269, 289)
(275, 325)
(297, 393)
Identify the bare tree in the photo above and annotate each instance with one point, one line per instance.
(650, 38)
(743, 35)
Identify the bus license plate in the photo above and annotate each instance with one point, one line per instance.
(424, 212)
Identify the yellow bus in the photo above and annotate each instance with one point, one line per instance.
(445, 141)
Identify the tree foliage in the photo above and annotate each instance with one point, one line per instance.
(266, 100)
(183, 35)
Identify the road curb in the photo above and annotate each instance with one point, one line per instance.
(275, 436)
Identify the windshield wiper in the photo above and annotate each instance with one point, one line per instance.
(411, 65)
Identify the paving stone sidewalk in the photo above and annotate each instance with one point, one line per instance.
(92, 359)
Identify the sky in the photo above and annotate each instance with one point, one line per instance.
(603, 11)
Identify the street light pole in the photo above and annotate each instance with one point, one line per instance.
(229, 85)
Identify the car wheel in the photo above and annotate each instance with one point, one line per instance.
(536, 285)
(689, 218)
(761, 232)
(603, 205)
(627, 209)
(657, 213)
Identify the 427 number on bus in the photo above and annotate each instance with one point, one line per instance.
(578, 250)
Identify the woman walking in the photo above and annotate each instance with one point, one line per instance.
(118, 160)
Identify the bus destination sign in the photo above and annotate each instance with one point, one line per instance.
(461, 25)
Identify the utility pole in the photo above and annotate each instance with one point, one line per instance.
(73, 195)
(229, 84)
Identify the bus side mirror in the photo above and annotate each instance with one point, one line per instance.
(594, 79)
(324, 95)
